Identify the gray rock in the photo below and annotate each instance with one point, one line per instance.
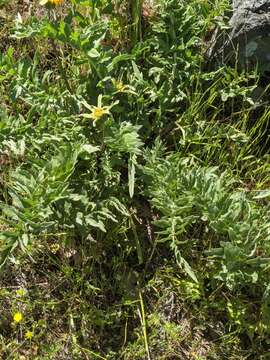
(248, 40)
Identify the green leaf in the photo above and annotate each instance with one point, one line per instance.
(131, 175)
(89, 149)
(97, 224)
(93, 53)
(262, 194)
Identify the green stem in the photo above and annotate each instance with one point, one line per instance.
(144, 326)
(57, 54)
(136, 16)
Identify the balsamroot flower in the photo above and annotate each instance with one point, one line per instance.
(99, 111)
(52, 2)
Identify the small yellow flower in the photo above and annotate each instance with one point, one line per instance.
(119, 86)
(54, 248)
(52, 2)
(17, 317)
(21, 292)
(29, 335)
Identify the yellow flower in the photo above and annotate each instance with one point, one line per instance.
(54, 248)
(52, 2)
(17, 317)
(21, 292)
(119, 86)
(29, 335)
(97, 112)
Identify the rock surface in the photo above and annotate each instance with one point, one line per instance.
(248, 40)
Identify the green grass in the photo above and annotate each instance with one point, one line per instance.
(134, 186)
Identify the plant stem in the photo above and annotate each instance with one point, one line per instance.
(144, 326)
(136, 19)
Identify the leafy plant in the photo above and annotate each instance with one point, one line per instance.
(134, 186)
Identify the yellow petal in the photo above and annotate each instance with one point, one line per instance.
(17, 317)
(29, 335)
